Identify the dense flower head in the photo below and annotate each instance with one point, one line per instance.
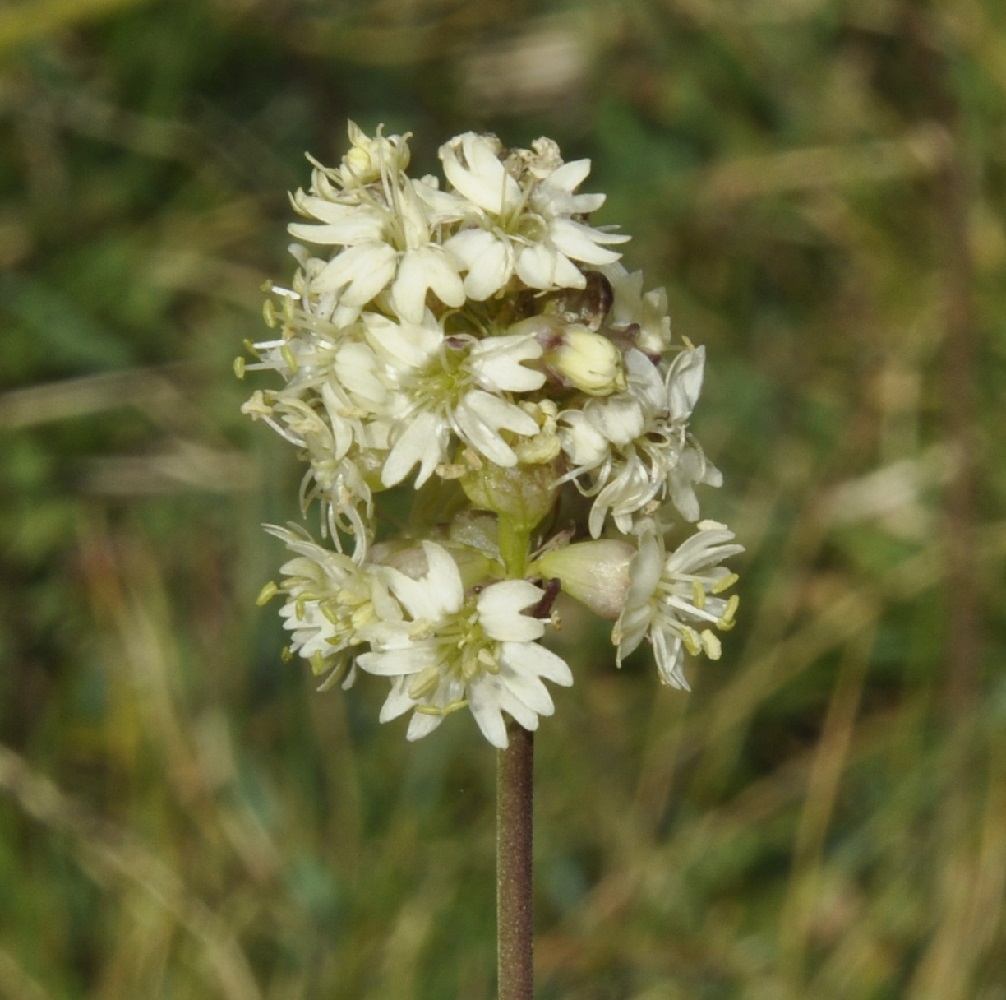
(474, 341)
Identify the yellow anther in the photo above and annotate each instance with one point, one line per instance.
(725, 584)
(267, 593)
(698, 595)
(691, 640)
(711, 645)
(726, 621)
(363, 615)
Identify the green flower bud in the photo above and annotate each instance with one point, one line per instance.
(523, 494)
(595, 573)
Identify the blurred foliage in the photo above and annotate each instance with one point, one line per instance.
(822, 187)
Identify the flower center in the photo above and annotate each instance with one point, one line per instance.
(465, 653)
(440, 386)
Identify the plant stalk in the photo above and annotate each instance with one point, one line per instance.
(514, 873)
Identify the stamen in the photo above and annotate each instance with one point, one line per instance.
(711, 645)
(698, 595)
(725, 584)
(267, 593)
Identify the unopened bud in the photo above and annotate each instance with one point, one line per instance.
(595, 573)
(589, 361)
(368, 155)
(522, 493)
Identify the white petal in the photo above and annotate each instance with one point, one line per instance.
(436, 594)
(496, 363)
(422, 724)
(684, 383)
(360, 272)
(581, 242)
(619, 418)
(419, 271)
(500, 606)
(498, 412)
(470, 245)
(483, 702)
(570, 175)
(442, 274)
(357, 369)
(670, 657)
(346, 232)
(424, 440)
(484, 181)
(646, 569)
(411, 343)
(645, 382)
(398, 701)
(511, 704)
(489, 261)
(408, 290)
(443, 578)
(397, 662)
(536, 659)
(530, 691)
(703, 550)
(536, 267)
(479, 417)
(584, 444)
(627, 636)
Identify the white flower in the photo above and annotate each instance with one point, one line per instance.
(521, 228)
(484, 333)
(672, 599)
(458, 650)
(459, 393)
(632, 449)
(366, 161)
(644, 314)
(329, 599)
(387, 231)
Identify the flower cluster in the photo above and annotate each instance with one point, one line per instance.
(478, 346)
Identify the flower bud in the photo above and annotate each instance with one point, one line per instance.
(595, 573)
(523, 494)
(368, 156)
(589, 361)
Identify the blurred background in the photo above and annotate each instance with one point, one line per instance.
(821, 185)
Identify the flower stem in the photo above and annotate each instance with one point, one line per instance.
(514, 539)
(514, 835)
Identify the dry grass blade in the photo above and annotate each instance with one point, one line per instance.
(114, 854)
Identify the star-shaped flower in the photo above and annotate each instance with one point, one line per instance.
(673, 599)
(455, 650)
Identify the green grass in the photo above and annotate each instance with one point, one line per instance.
(822, 188)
